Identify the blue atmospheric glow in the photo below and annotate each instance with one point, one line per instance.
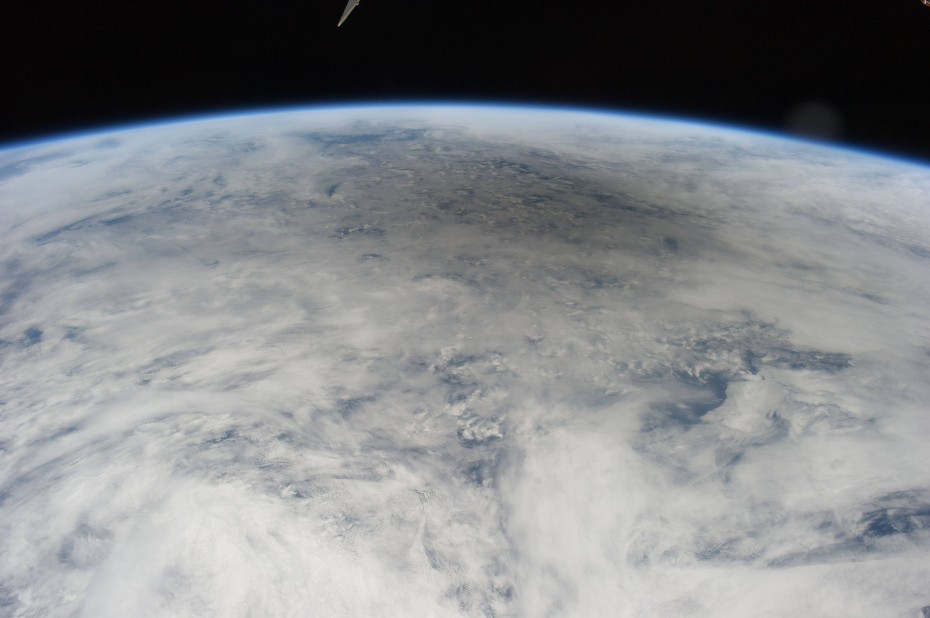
(105, 130)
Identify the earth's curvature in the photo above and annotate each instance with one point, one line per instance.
(442, 361)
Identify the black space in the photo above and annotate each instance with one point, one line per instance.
(78, 65)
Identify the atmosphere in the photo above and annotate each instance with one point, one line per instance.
(849, 72)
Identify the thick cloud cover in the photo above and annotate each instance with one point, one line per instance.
(461, 361)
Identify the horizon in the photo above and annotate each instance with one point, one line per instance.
(221, 115)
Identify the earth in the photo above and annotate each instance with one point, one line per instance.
(451, 360)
